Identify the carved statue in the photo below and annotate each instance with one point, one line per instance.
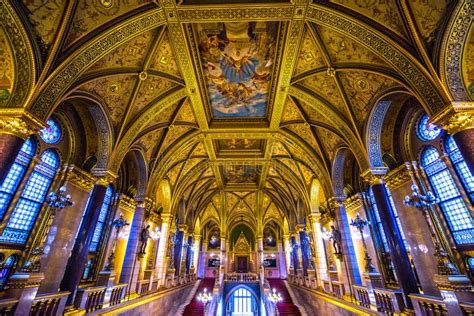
(144, 235)
(336, 240)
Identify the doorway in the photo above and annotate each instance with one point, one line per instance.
(242, 303)
(242, 264)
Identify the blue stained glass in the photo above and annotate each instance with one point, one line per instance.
(28, 147)
(460, 165)
(50, 157)
(51, 134)
(454, 209)
(100, 222)
(32, 197)
(425, 130)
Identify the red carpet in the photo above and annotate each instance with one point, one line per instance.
(285, 306)
(196, 308)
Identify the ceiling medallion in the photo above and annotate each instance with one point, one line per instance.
(143, 75)
(107, 3)
(164, 60)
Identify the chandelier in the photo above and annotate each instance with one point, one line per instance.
(204, 297)
(274, 296)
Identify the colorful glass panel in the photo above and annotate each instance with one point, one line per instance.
(427, 131)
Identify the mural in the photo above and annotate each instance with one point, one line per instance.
(269, 238)
(241, 174)
(240, 144)
(237, 60)
(214, 241)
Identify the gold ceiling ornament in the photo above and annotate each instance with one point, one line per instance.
(80, 178)
(18, 122)
(107, 3)
(104, 177)
(374, 176)
(459, 122)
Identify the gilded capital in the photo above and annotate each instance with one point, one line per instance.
(459, 116)
(79, 178)
(104, 177)
(16, 126)
(374, 176)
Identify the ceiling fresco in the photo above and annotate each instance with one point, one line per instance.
(237, 60)
(240, 173)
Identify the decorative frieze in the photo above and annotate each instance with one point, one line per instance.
(79, 177)
(354, 202)
(398, 177)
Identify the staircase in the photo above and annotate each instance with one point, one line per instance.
(196, 308)
(285, 306)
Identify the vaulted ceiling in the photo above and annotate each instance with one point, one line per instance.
(250, 98)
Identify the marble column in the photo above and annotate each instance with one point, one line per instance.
(259, 251)
(58, 243)
(160, 271)
(178, 249)
(78, 258)
(10, 146)
(464, 139)
(131, 261)
(304, 245)
(321, 263)
(398, 253)
(196, 251)
(189, 253)
(282, 259)
(350, 269)
(287, 249)
(294, 254)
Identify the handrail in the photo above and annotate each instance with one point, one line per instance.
(7, 306)
(49, 304)
(362, 295)
(389, 301)
(241, 277)
(117, 294)
(428, 305)
(467, 308)
(91, 298)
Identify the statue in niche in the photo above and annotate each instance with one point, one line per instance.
(144, 235)
(336, 240)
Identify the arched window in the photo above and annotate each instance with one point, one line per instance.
(14, 176)
(99, 228)
(460, 165)
(242, 303)
(454, 209)
(31, 199)
(379, 220)
(426, 131)
(51, 134)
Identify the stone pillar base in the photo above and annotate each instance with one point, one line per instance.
(106, 278)
(455, 289)
(23, 287)
(372, 280)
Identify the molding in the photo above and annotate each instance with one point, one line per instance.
(398, 177)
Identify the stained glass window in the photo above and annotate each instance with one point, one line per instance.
(242, 302)
(460, 165)
(51, 134)
(454, 209)
(379, 220)
(15, 174)
(31, 199)
(101, 221)
(7, 269)
(427, 131)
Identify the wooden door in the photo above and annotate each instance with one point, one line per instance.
(242, 265)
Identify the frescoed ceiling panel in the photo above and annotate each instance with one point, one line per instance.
(310, 56)
(45, 17)
(240, 174)
(164, 59)
(115, 91)
(237, 60)
(91, 14)
(130, 55)
(342, 49)
(428, 16)
(382, 11)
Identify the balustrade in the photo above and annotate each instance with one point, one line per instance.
(143, 287)
(428, 305)
(467, 309)
(49, 304)
(117, 294)
(362, 295)
(337, 289)
(90, 299)
(326, 286)
(241, 277)
(7, 307)
(389, 301)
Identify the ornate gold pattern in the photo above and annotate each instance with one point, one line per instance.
(80, 178)
(459, 122)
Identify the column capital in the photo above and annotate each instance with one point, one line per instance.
(314, 217)
(79, 177)
(375, 175)
(183, 227)
(127, 203)
(19, 122)
(336, 201)
(104, 177)
(166, 218)
(457, 117)
(300, 227)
